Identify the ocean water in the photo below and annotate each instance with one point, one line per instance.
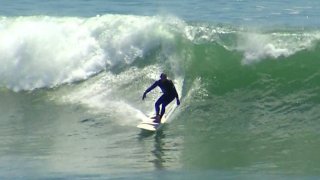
(73, 72)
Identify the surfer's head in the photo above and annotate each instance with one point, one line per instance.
(163, 76)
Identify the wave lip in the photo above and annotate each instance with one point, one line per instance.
(42, 51)
(259, 46)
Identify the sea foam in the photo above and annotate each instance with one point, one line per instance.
(37, 52)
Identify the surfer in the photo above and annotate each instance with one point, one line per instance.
(169, 94)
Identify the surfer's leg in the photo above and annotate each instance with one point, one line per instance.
(163, 110)
(167, 100)
(158, 103)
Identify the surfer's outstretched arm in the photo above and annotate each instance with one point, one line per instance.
(154, 85)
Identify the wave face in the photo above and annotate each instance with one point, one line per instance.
(267, 68)
(47, 52)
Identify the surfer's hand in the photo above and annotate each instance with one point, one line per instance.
(178, 102)
(144, 96)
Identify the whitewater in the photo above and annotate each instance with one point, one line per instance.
(71, 83)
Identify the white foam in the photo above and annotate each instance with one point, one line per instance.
(253, 43)
(258, 46)
(38, 52)
(45, 52)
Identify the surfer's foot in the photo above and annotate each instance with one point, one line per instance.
(157, 119)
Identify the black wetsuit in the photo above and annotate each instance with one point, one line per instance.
(169, 93)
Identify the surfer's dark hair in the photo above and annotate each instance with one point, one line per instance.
(163, 75)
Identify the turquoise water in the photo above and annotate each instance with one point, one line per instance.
(73, 73)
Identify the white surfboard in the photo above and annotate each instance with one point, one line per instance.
(149, 125)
